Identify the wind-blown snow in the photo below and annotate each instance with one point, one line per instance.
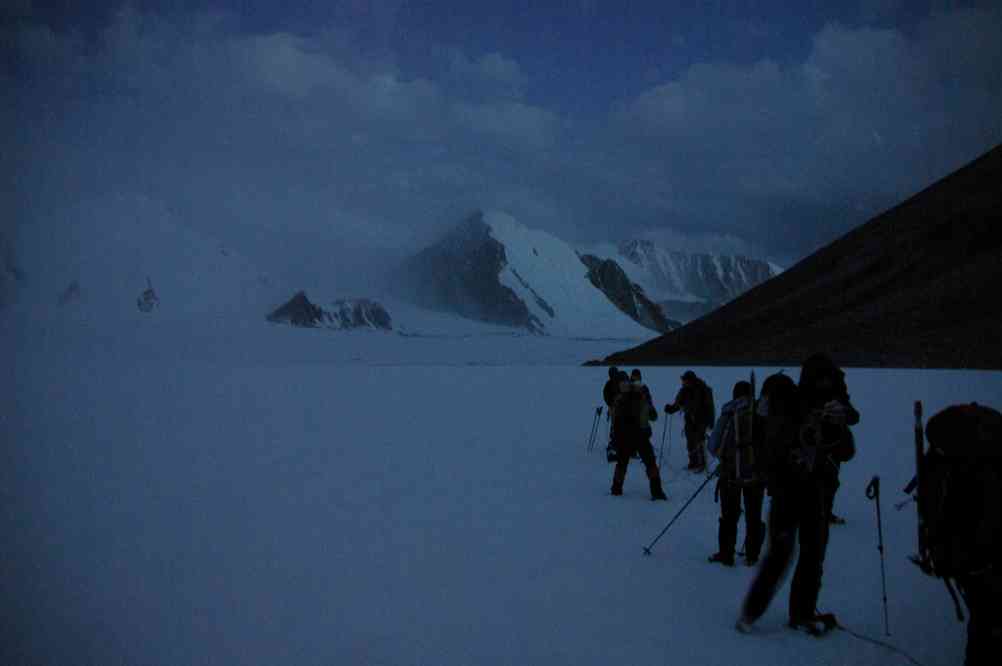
(541, 265)
(111, 246)
(306, 497)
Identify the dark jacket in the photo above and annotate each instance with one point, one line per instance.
(625, 424)
(690, 399)
(610, 392)
(822, 427)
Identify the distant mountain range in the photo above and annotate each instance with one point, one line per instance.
(917, 286)
(126, 258)
(688, 285)
(492, 268)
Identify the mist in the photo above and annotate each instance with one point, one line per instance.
(328, 154)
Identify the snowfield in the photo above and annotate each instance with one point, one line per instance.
(273, 495)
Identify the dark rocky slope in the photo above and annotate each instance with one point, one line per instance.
(917, 286)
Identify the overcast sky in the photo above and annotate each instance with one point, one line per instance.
(297, 130)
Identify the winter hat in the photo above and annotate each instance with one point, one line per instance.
(689, 375)
(635, 374)
(613, 372)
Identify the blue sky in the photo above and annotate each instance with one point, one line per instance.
(372, 126)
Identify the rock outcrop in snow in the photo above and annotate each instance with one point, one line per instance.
(98, 256)
(344, 314)
(611, 279)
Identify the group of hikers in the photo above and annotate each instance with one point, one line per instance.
(790, 443)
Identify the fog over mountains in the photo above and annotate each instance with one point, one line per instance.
(490, 269)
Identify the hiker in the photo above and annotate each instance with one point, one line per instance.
(735, 441)
(960, 509)
(634, 410)
(695, 398)
(797, 482)
(823, 391)
(609, 393)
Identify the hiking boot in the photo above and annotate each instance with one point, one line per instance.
(744, 625)
(722, 558)
(751, 560)
(659, 495)
(814, 625)
(616, 492)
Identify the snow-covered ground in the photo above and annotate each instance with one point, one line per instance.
(181, 496)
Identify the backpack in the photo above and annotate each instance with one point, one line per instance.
(960, 492)
(633, 411)
(707, 410)
(739, 445)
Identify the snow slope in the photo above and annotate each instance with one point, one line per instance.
(667, 275)
(110, 246)
(303, 502)
(548, 276)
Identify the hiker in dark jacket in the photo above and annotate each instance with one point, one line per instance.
(736, 442)
(691, 399)
(634, 409)
(609, 393)
(825, 396)
(798, 484)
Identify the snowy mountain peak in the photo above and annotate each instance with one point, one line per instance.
(495, 269)
(687, 285)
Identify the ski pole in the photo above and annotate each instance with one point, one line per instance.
(668, 452)
(594, 428)
(873, 493)
(661, 451)
(647, 548)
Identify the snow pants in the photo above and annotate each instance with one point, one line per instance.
(799, 511)
(731, 494)
(625, 448)
(695, 442)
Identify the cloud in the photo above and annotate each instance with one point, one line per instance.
(303, 140)
(492, 76)
(870, 116)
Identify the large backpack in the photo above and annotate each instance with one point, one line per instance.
(707, 410)
(960, 492)
(740, 448)
(633, 411)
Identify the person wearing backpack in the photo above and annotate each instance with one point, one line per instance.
(695, 399)
(735, 441)
(634, 410)
(960, 526)
(609, 393)
(826, 401)
(797, 484)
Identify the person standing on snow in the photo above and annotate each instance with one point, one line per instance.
(695, 399)
(798, 479)
(609, 393)
(824, 394)
(736, 442)
(634, 410)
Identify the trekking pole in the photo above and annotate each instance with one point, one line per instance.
(668, 452)
(647, 548)
(873, 493)
(661, 452)
(594, 428)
